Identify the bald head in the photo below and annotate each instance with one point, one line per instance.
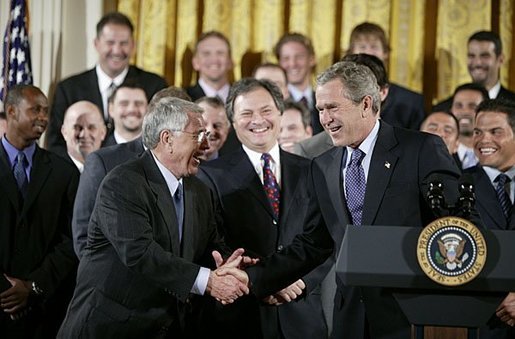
(83, 129)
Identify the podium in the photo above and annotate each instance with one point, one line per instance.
(386, 256)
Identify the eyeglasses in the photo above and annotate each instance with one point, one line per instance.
(198, 137)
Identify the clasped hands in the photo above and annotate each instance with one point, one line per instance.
(506, 311)
(14, 300)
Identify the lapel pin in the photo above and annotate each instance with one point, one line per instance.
(386, 164)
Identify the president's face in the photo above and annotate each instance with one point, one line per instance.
(115, 47)
(256, 120)
(494, 140)
(348, 123)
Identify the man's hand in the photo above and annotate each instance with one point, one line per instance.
(506, 310)
(286, 294)
(228, 285)
(245, 260)
(15, 298)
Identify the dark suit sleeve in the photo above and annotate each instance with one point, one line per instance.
(307, 251)
(60, 261)
(93, 174)
(54, 138)
(122, 213)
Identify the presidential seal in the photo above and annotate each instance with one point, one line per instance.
(451, 251)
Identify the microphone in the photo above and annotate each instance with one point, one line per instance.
(435, 195)
(467, 197)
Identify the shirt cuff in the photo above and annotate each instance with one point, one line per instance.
(200, 284)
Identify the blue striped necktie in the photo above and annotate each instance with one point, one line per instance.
(20, 174)
(503, 196)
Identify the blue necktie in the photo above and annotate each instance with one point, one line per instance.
(20, 174)
(178, 202)
(502, 194)
(270, 185)
(355, 186)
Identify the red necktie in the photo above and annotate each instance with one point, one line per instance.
(270, 185)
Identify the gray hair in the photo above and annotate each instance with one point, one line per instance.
(168, 113)
(358, 81)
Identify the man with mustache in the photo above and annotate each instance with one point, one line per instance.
(484, 61)
(127, 108)
(115, 45)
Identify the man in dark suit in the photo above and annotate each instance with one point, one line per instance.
(484, 61)
(152, 227)
(493, 178)
(212, 60)
(265, 225)
(97, 165)
(37, 265)
(377, 175)
(296, 56)
(402, 107)
(115, 46)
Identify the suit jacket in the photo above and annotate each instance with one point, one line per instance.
(96, 167)
(492, 217)
(35, 238)
(403, 161)
(195, 92)
(315, 117)
(135, 277)
(239, 188)
(445, 105)
(314, 146)
(84, 86)
(403, 108)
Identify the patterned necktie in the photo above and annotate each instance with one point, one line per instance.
(178, 202)
(20, 174)
(304, 101)
(502, 194)
(270, 185)
(355, 185)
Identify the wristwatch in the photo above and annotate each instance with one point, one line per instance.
(36, 289)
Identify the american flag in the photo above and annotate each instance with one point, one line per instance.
(16, 68)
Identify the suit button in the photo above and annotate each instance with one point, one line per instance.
(274, 222)
(280, 248)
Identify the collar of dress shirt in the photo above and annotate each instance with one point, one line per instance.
(297, 94)
(171, 181)
(12, 152)
(492, 174)
(367, 146)
(80, 165)
(257, 163)
(211, 92)
(494, 91)
(104, 80)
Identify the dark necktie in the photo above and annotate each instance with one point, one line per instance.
(20, 174)
(502, 194)
(355, 185)
(304, 101)
(178, 202)
(109, 92)
(270, 185)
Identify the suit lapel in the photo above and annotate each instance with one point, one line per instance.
(488, 200)
(41, 168)
(381, 168)
(246, 178)
(163, 200)
(8, 181)
(334, 182)
(95, 92)
(290, 173)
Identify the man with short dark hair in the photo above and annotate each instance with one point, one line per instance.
(295, 125)
(37, 265)
(296, 55)
(217, 125)
(114, 43)
(485, 58)
(274, 73)
(212, 60)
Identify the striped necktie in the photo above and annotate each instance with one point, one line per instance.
(503, 195)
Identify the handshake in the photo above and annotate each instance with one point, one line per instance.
(230, 281)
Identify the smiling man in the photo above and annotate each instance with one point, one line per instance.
(127, 107)
(212, 60)
(217, 125)
(83, 130)
(115, 46)
(262, 190)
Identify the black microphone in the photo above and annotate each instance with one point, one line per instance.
(467, 197)
(435, 195)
